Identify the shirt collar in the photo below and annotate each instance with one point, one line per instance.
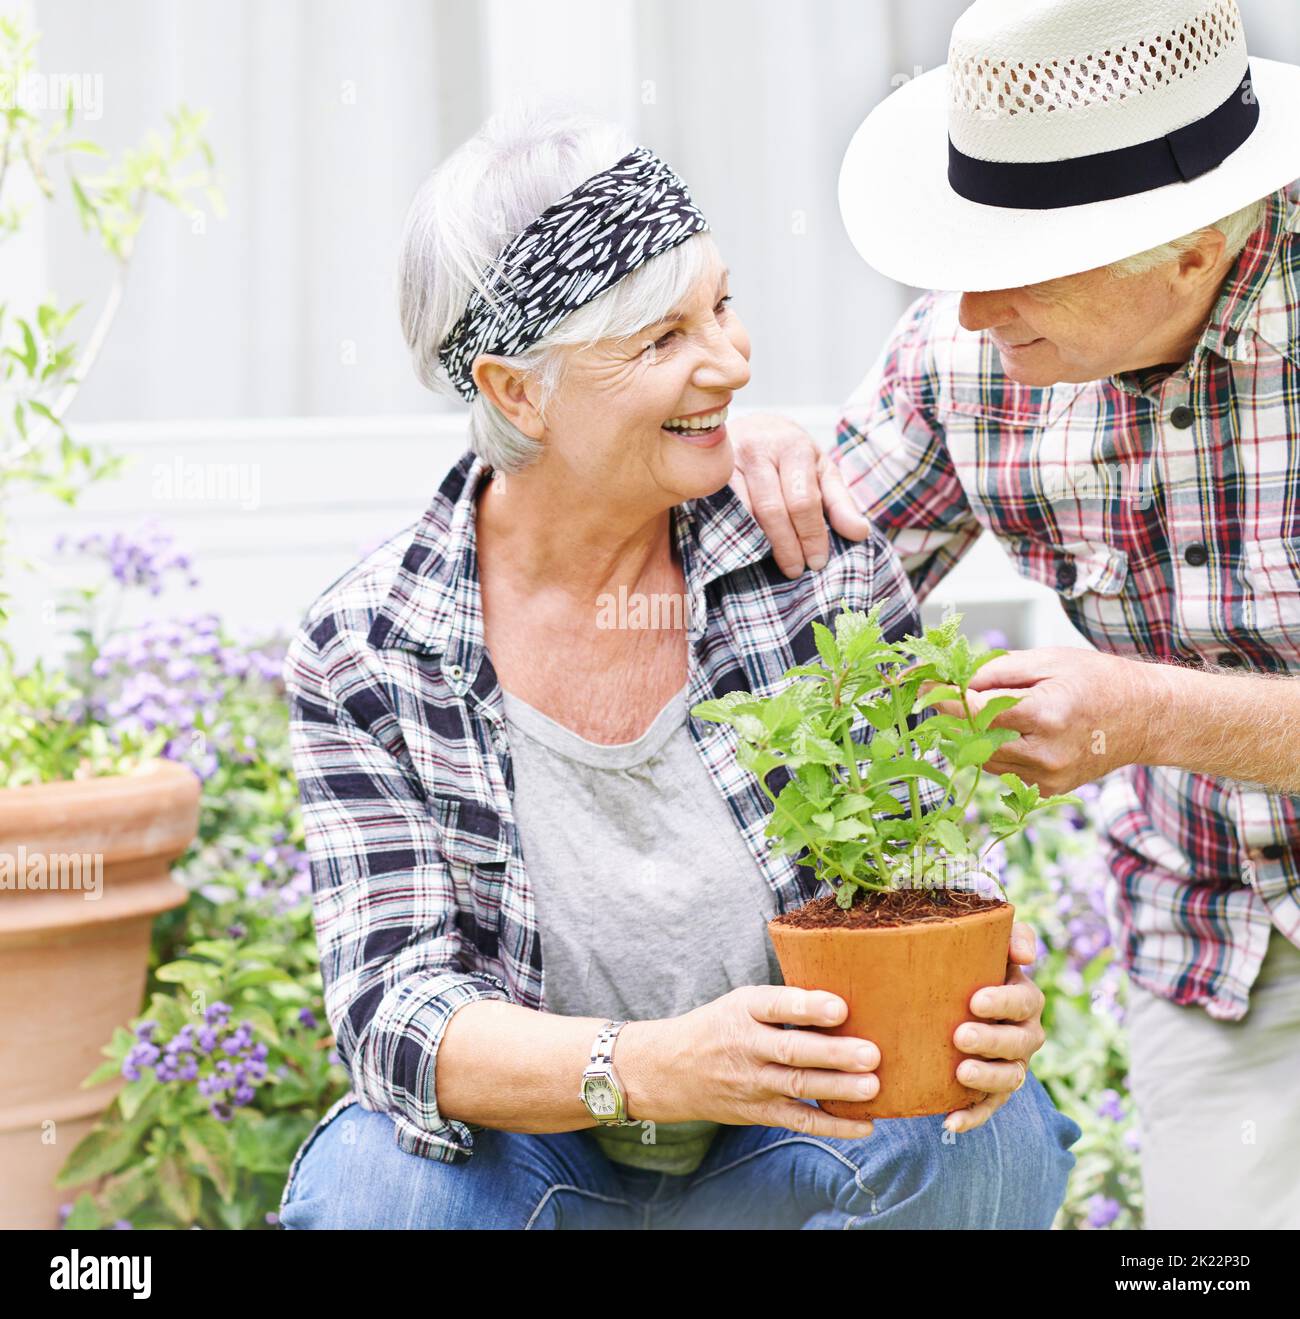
(434, 606)
(1252, 294)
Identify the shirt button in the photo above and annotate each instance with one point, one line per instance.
(1196, 555)
(1181, 417)
(1066, 575)
(455, 672)
(1273, 852)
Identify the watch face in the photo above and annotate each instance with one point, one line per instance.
(601, 1099)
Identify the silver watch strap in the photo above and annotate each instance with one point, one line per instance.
(603, 1050)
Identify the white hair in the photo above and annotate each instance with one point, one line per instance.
(1235, 228)
(520, 162)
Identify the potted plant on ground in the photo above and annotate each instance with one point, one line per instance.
(905, 936)
(90, 819)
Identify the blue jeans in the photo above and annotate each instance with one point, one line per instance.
(1009, 1173)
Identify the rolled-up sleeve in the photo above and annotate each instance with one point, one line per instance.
(392, 961)
(892, 453)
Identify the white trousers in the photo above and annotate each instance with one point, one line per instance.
(1218, 1104)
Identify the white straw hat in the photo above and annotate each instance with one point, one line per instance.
(1066, 134)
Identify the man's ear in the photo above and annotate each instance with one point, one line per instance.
(1204, 260)
(511, 392)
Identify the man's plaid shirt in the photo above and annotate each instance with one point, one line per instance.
(422, 901)
(1165, 512)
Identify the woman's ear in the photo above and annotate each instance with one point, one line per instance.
(511, 392)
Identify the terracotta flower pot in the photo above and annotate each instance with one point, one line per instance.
(908, 988)
(73, 966)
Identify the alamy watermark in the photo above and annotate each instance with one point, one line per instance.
(41, 872)
(208, 483)
(96, 1273)
(35, 92)
(1113, 480)
(637, 611)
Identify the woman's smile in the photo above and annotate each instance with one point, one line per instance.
(704, 430)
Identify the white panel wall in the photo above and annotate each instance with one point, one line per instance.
(287, 506)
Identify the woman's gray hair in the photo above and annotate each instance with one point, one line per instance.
(519, 163)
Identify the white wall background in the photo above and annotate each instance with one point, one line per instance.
(271, 337)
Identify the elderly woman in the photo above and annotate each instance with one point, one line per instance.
(530, 863)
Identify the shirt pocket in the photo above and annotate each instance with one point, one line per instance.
(470, 833)
(475, 846)
(1272, 572)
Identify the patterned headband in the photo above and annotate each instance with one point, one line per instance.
(587, 241)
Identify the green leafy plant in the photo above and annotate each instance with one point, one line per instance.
(42, 367)
(840, 810)
(225, 1077)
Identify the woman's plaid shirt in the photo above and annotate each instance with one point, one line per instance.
(1165, 512)
(422, 902)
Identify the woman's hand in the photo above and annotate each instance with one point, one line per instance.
(1001, 1051)
(730, 1061)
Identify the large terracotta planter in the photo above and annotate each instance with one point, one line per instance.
(72, 968)
(908, 988)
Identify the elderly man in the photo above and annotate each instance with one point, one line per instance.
(1129, 428)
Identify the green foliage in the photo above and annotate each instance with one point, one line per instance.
(174, 1149)
(853, 732)
(41, 366)
(167, 1154)
(44, 735)
(1055, 873)
(170, 1152)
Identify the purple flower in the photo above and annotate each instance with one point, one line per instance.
(222, 1112)
(241, 1040)
(1102, 1211)
(308, 1018)
(1110, 1106)
(144, 558)
(217, 1014)
(142, 1054)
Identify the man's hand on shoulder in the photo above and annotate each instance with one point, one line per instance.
(792, 488)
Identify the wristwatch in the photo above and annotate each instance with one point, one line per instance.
(602, 1092)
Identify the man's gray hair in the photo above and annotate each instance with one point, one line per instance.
(1235, 228)
(520, 162)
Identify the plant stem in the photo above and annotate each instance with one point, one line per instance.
(851, 756)
(808, 842)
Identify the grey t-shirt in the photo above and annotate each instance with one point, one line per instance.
(648, 901)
